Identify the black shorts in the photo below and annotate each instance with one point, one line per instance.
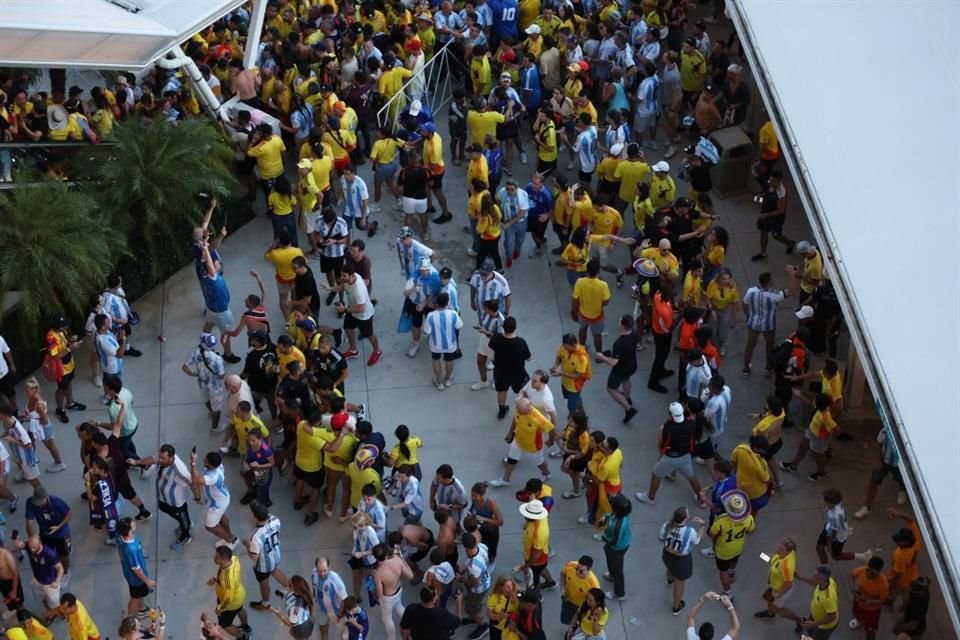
(411, 310)
(705, 449)
(727, 565)
(261, 577)
(774, 449)
(614, 381)
(436, 181)
(365, 326)
(447, 357)
(65, 381)
(358, 565)
(245, 167)
(458, 131)
(7, 387)
(125, 487)
(62, 546)
(516, 383)
(546, 167)
(605, 186)
(326, 199)
(836, 547)
(331, 264)
(139, 591)
(314, 479)
(578, 464)
(773, 224)
(13, 600)
(877, 475)
(226, 618)
(585, 177)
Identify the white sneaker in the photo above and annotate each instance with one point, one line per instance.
(902, 498)
(56, 467)
(471, 252)
(448, 383)
(708, 553)
(489, 364)
(439, 385)
(699, 460)
(523, 157)
(598, 537)
(584, 519)
(375, 207)
(607, 575)
(414, 348)
(612, 596)
(854, 623)
(477, 386)
(552, 553)
(641, 496)
(723, 351)
(499, 482)
(97, 381)
(862, 513)
(670, 152)
(556, 454)
(570, 494)
(544, 477)
(571, 165)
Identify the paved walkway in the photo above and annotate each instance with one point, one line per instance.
(460, 426)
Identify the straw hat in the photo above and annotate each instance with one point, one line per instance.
(533, 510)
(57, 117)
(737, 504)
(646, 268)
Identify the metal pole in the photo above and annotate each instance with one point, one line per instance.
(254, 29)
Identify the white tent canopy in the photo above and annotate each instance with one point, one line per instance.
(99, 33)
(863, 96)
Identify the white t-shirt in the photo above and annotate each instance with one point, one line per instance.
(4, 349)
(542, 400)
(356, 293)
(692, 635)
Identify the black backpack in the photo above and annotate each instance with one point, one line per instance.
(780, 356)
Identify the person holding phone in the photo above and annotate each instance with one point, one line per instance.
(707, 629)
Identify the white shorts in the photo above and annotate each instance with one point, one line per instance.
(213, 516)
(48, 594)
(603, 253)
(516, 453)
(411, 205)
(222, 320)
(30, 471)
(313, 221)
(483, 346)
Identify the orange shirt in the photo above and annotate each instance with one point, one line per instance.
(904, 561)
(877, 588)
(685, 338)
(662, 314)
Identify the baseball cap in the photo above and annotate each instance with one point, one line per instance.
(413, 45)
(616, 149)
(661, 167)
(486, 266)
(804, 247)
(532, 29)
(340, 105)
(333, 121)
(446, 273)
(326, 88)
(507, 55)
(39, 494)
(307, 324)
(306, 163)
(573, 68)
(425, 263)
(676, 411)
(416, 107)
(429, 127)
(339, 420)
(506, 76)
(691, 41)
(804, 312)
(208, 341)
(405, 232)
(734, 68)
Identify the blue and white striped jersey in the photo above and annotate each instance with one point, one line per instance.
(586, 148)
(265, 543)
(23, 447)
(679, 540)
(441, 326)
(378, 517)
(173, 483)
(717, 408)
(762, 308)
(354, 193)
(365, 540)
(411, 495)
(329, 592)
(215, 490)
(837, 523)
(451, 290)
(477, 567)
(496, 288)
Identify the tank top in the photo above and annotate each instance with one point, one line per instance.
(619, 99)
(35, 429)
(484, 512)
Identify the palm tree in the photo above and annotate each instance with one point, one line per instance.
(56, 247)
(152, 182)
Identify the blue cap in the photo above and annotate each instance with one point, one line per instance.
(307, 324)
(429, 127)
(208, 341)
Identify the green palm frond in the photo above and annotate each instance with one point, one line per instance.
(56, 247)
(154, 176)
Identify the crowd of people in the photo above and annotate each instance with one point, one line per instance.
(599, 80)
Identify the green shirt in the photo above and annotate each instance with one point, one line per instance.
(129, 426)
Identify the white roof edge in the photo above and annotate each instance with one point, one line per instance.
(938, 541)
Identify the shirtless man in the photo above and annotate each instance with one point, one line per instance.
(10, 585)
(417, 541)
(391, 568)
(447, 536)
(245, 84)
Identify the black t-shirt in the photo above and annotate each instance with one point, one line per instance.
(290, 388)
(700, 179)
(331, 364)
(414, 182)
(306, 285)
(256, 366)
(509, 357)
(739, 97)
(916, 611)
(682, 225)
(679, 436)
(625, 350)
(428, 623)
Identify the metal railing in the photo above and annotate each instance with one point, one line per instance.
(439, 76)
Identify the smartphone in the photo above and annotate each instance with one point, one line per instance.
(194, 450)
(278, 593)
(764, 557)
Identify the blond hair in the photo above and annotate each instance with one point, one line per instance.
(31, 383)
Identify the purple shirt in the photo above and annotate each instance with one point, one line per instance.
(44, 565)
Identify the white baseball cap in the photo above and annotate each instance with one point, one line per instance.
(804, 312)
(533, 29)
(676, 412)
(661, 166)
(416, 107)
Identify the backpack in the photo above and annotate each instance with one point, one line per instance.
(780, 356)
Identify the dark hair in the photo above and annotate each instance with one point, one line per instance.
(68, 599)
(402, 432)
(706, 631)
(213, 458)
(168, 449)
(626, 321)
(112, 383)
(586, 561)
(765, 278)
(445, 471)
(426, 595)
(821, 402)
(569, 339)
(509, 324)
(443, 299)
(593, 267)
(832, 496)
(369, 489)
(774, 404)
(259, 511)
(124, 526)
(224, 552)
(723, 466)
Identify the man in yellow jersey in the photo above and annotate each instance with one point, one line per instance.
(576, 579)
(526, 439)
(729, 531)
(589, 298)
(308, 466)
(267, 149)
(780, 581)
(630, 172)
(433, 161)
(281, 254)
(481, 121)
(769, 153)
(607, 222)
(693, 71)
(230, 591)
(824, 605)
(572, 365)
(545, 139)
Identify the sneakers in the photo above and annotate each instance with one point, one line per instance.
(136, 353)
(611, 595)
(374, 358)
(97, 382)
(489, 364)
(548, 585)
(414, 348)
(598, 537)
(448, 382)
(499, 482)
(745, 372)
(619, 278)
(337, 337)
(556, 454)
(14, 503)
(862, 513)
(816, 475)
(62, 416)
(584, 519)
(351, 354)
(659, 388)
(570, 494)
(361, 412)
(544, 477)
(477, 386)
(110, 542)
(56, 467)
(330, 297)
(482, 631)
(788, 466)
(758, 257)
(311, 518)
(571, 165)
(231, 358)
(642, 496)
(439, 385)
(708, 553)
(471, 252)
(670, 152)
(143, 515)
(375, 208)
(443, 219)
(502, 412)
(677, 609)
(180, 543)
(608, 576)
(523, 157)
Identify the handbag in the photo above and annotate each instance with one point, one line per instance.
(52, 368)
